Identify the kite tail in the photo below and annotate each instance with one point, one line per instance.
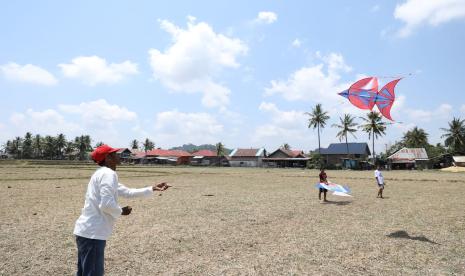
(385, 98)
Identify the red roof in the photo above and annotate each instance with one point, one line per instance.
(204, 153)
(138, 154)
(296, 153)
(168, 153)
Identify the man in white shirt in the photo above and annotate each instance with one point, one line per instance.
(380, 180)
(101, 210)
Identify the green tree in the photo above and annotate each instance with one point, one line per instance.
(286, 146)
(148, 145)
(455, 135)
(37, 146)
(219, 149)
(318, 119)
(134, 144)
(60, 143)
(27, 146)
(374, 126)
(415, 138)
(50, 147)
(68, 150)
(83, 145)
(346, 126)
(17, 147)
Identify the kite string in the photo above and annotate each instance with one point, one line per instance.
(400, 76)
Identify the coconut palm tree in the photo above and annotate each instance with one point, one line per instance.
(317, 119)
(18, 147)
(27, 145)
(135, 144)
(286, 146)
(455, 135)
(60, 144)
(83, 145)
(69, 149)
(49, 147)
(37, 146)
(415, 138)
(374, 126)
(219, 149)
(346, 126)
(148, 145)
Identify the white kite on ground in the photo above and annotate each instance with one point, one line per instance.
(337, 189)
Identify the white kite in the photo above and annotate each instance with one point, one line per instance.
(337, 189)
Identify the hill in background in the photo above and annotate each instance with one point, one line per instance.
(193, 148)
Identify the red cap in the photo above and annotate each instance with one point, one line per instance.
(99, 154)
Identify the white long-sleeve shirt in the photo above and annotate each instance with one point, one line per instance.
(101, 207)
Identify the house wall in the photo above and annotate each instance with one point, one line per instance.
(245, 162)
(334, 159)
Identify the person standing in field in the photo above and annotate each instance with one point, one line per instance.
(323, 179)
(101, 210)
(380, 180)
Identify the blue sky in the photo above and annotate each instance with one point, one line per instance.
(239, 72)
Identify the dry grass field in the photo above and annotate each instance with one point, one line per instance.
(239, 221)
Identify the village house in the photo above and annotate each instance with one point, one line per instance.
(337, 155)
(247, 157)
(203, 158)
(124, 154)
(283, 158)
(174, 157)
(459, 161)
(409, 158)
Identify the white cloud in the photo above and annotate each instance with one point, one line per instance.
(416, 13)
(462, 108)
(195, 59)
(266, 17)
(99, 112)
(27, 73)
(174, 127)
(45, 122)
(285, 127)
(296, 43)
(313, 83)
(93, 70)
(443, 111)
(103, 121)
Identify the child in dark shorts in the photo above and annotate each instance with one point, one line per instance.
(323, 179)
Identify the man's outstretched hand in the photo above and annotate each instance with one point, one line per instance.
(160, 187)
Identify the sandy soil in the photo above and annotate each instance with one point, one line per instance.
(226, 221)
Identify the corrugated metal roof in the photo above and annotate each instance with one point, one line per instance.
(289, 153)
(459, 158)
(247, 152)
(409, 154)
(341, 148)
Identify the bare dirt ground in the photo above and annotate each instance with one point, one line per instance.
(238, 221)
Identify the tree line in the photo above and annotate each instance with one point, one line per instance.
(59, 148)
(375, 127)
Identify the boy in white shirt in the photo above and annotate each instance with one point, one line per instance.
(101, 210)
(380, 180)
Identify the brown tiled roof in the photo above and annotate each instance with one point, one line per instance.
(245, 152)
(204, 153)
(168, 153)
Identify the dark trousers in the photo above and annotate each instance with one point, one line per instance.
(90, 256)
